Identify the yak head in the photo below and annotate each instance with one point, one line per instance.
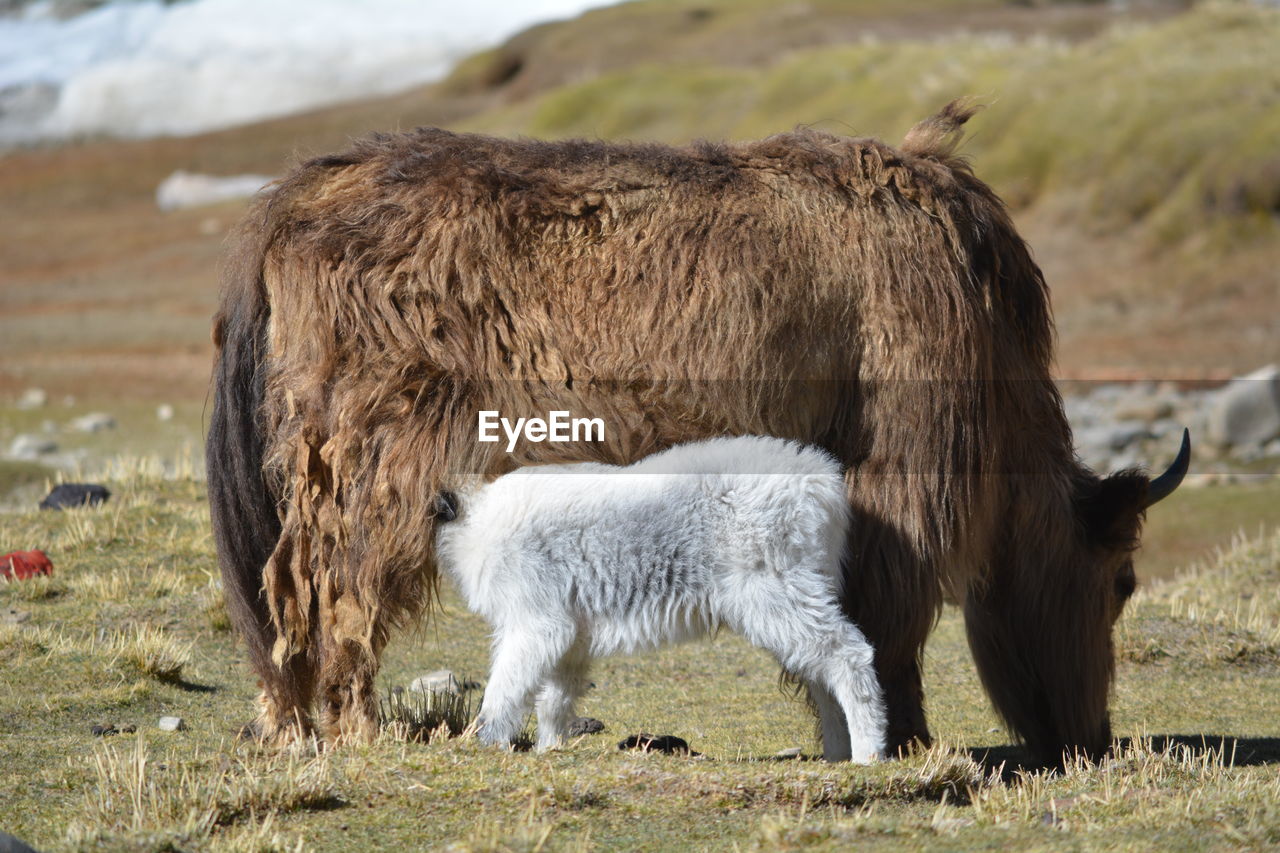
(1109, 513)
(1041, 634)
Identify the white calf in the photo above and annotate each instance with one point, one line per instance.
(572, 562)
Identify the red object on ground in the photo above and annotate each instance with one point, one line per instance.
(20, 565)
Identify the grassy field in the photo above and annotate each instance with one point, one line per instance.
(131, 627)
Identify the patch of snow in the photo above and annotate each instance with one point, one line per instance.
(140, 69)
(190, 189)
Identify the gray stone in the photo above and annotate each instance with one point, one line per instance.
(70, 495)
(1083, 411)
(28, 446)
(1112, 437)
(1122, 436)
(1247, 411)
(33, 398)
(1145, 409)
(790, 752)
(93, 422)
(172, 724)
(13, 844)
(1247, 454)
(440, 681)
(1109, 393)
(13, 616)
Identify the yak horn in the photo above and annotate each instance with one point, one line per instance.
(1161, 487)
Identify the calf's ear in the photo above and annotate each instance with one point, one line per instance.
(446, 506)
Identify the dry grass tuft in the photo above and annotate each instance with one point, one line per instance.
(149, 651)
(40, 588)
(410, 715)
(1127, 800)
(501, 837)
(1140, 783)
(181, 800)
(212, 600)
(1240, 584)
(257, 837)
(130, 584)
(23, 640)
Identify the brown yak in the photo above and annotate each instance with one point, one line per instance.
(874, 301)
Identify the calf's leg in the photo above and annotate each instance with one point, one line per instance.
(525, 656)
(566, 684)
(835, 727)
(850, 675)
(795, 615)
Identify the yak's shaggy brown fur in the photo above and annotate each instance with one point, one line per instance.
(874, 301)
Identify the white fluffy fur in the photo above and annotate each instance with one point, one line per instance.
(571, 562)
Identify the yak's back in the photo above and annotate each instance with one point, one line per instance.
(338, 197)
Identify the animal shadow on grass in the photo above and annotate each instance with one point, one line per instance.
(1236, 752)
(192, 687)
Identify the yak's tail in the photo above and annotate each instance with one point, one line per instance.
(246, 525)
(939, 135)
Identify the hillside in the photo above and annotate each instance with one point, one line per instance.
(1137, 150)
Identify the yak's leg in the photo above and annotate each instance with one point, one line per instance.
(284, 706)
(904, 703)
(524, 657)
(566, 684)
(348, 701)
(351, 657)
(284, 717)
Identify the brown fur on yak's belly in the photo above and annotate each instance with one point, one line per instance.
(833, 290)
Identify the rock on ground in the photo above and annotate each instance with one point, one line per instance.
(93, 422)
(1246, 413)
(70, 495)
(14, 616)
(440, 681)
(33, 398)
(27, 446)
